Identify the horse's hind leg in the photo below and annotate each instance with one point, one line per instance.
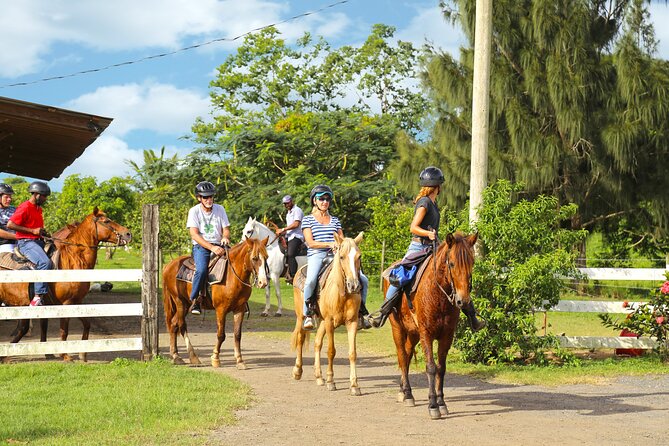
(405, 347)
(277, 291)
(86, 323)
(64, 332)
(238, 319)
(265, 312)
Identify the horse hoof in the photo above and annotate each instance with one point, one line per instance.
(215, 362)
(331, 387)
(435, 413)
(194, 360)
(410, 402)
(67, 358)
(241, 366)
(443, 410)
(297, 373)
(177, 360)
(400, 397)
(355, 391)
(277, 314)
(264, 314)
(319, 381)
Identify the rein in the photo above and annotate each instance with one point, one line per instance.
(255, 281)
(450, 297)
(96, 220)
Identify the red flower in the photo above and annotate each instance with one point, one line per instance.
(665, 288)
(659, 320)
(625, 304)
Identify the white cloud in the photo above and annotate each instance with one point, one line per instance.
(429, 25)
(161, 108)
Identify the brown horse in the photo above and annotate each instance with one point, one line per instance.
(339, 304)
(244, 259)
(443, 290)
(77, 246)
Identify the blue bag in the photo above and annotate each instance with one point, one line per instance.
(400, 276)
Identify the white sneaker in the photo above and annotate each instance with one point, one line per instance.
(37, 301)
(308, 323)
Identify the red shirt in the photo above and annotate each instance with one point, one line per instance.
(29, 216)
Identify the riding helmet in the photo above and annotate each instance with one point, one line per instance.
(205, 189)
(6, 189)
(320, 189)
(431, 176)
(39, 187)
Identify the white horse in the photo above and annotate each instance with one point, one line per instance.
(275, 260)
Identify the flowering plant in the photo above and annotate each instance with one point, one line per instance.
(647, 319)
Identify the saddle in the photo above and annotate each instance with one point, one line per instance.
(217, 269)
(16, 260)
(283, 246)
(419, 259)
(300, 278)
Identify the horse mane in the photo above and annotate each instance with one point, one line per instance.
(463, 252)
(71, 252)
(337, 272)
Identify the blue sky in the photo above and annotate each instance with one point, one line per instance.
(154, 103)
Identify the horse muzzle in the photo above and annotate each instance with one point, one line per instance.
(352, 285)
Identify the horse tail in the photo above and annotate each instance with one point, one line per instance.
(169, 304)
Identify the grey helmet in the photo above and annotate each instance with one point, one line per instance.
(431, 176)
(39, 187)
(205, 189)
(6, 189)
(320, 190)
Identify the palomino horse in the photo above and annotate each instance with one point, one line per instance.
(443, 290)
(244, 259)
(77, 246)
(339, 304)
(275, 261)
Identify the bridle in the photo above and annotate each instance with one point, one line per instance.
(450, 296)
(253, 271)
(96, 221)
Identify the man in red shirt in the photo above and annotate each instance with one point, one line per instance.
(28, 223)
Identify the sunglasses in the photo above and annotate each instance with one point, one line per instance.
(324, 198)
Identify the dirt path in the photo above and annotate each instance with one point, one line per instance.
(289, 412)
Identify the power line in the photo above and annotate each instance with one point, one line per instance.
(180, 50)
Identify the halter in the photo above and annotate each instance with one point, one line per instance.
(255, 274)
(96, 221)
(451, 296)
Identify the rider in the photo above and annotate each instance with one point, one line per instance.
(210, 229)
(294, 236)
(28, 222)
(7, 236)
(424, 228)
(319, 228)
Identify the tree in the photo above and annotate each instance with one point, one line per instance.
(577, 109)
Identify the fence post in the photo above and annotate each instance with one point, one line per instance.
(150, 228)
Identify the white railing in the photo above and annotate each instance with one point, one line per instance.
(578, 306)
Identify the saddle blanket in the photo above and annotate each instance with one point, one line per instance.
(300, 278)
(9, 261)
(217, 269)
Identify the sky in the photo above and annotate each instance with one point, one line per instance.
(155, 102)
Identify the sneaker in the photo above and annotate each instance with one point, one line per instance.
(195, 308)
(36, 302)
(308, 323)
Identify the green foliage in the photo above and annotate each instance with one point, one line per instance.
(527, 251)
(389, 227)
(648, 319)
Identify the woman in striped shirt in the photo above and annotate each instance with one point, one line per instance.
(319, 229)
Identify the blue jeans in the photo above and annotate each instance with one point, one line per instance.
(314, 263)
(34, 251)
(413, 247)
(201, 258)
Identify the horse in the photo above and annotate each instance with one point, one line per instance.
(275, 261)
(339, 304)
(77, 247)
(232, 294)
(443, 290)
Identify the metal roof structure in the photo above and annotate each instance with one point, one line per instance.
(40, 141)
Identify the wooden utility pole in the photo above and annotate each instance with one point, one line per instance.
(480, 107)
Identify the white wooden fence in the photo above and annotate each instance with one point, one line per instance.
(147, 309)
(578, 306)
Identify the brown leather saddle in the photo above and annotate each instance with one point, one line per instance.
(409, 291)
(217, 270)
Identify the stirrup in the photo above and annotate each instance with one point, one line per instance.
(377, 319)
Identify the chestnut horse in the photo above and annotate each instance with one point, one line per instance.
(77, 246)
(338, 304)
(443, 290)
(244, 259)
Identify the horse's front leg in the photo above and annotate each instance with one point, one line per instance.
(352, 329)
(332, 351)
(86, 323)
(64, 332)
(265, 312)
(238, 320)
(430, 370)
(318, 345)
(277, 291)
(442, 353)
(220, 336)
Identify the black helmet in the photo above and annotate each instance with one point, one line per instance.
(39, 187)
(320, 190)
(431, 176)
(205, 189)
(6, 189)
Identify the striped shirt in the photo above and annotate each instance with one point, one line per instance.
(320, 232)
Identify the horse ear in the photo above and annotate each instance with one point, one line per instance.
(96, 211)
(358, 239)
(338, 238)
(472, 238)
(450, 240)
(265, 240)
(250, 220)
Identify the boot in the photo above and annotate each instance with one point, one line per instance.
(363, 322)
(475, 323)
(379, 318)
